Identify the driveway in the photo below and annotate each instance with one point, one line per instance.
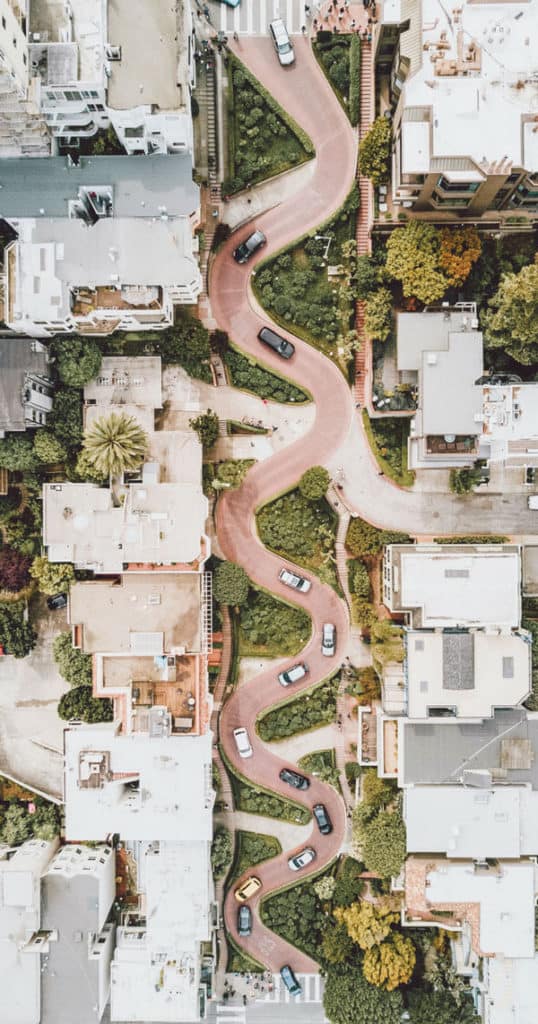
(31, 734)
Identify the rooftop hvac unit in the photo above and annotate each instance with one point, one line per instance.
(431, 359)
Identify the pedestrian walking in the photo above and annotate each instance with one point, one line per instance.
(303, 29)
(353, 23)
(235, 37)
(335, 29)
(381, 473)
(340, 16)
(315, 24)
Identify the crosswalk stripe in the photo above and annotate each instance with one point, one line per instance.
(231, 1014)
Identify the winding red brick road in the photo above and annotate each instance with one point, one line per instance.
(305, 94)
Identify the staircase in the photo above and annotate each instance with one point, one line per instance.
(206, 94)
(365, 217)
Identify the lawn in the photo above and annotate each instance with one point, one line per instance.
(270, 628)
(302, 530)
(309, 710)
(252, 848)
(295, 288)
(388, 441)
(245, 373)
(263, 139)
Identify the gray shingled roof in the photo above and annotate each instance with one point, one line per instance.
(142, 185)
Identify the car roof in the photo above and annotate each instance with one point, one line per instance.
(279, 27)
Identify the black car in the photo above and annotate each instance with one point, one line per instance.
(247, 248)
(276, 342)
(56, 602)
(244, 921)
(322, 819)
(294, 779)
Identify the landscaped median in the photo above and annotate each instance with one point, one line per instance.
(388, 440)
(303, 712)
(256, 799)
(246, 374)
(271, 628)
(303, 530)
(339, 56)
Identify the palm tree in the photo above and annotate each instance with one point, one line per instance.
(115, 443)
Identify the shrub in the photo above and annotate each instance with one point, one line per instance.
(186, 344)
(308, 711)
(463, 481)
(378, 315)
(47, 447)
(349, 884)
(257, 801)
(78, 359)
(52, 577)
(253, 848)
(369, 685)
(65, 421)
(297, 915)
(359, 579)
(221, 851)
(299, 529)
(364, 539)
(14, 569)
(17, 636)
(474, 538)
(17, 453)
(375, 791)
(314, 483)
(349, 999)
(354, 79)
(336, 946)
(366, 277)
(16, 825)
(206, 426)
(391, 964)
(374, 151)
(381, 842)
(511, 323)
(79, 703)
(230, 584)
(75, 666)
(247, 375)
(364, 613)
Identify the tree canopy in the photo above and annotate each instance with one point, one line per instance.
(75, 666)
(115, 443)
(511, 323)
(65, 421)
(314, 483)
(52, 577)
(390, 964)
(17, 452)
(382, 843)
(428, 261)
(230, 584)
(78, 359)
(378, 315)
(14, 569)
(17, 636)
(80, 703)
(206, 426)
(428, 1007)
(48, 448)
(367, 923)
(349, 999)
(374, 151)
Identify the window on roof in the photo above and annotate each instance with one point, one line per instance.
(508, 668)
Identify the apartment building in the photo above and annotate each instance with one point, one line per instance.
(26, 386)
(452, 76)
(56, 937)
(23, 131)
(103, 244)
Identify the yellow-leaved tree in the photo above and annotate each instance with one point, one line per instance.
(368, 923)
(390, 964)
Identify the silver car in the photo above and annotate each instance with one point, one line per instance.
(295, 582)
(302, 859)
(293, 674)
(328, 639)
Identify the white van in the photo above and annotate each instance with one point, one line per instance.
(242, 743)
(282, 41)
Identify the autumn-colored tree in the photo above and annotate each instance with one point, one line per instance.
(52, 577)
(460, 248)
(391, 964)
(367, 923)
(378, 315)
(14, 574)
(370, 685)
(413, 259)
(374, 151)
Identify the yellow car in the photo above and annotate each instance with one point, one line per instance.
(247, 889)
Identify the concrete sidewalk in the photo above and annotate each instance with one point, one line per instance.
(256, 200)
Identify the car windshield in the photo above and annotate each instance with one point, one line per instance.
(284, 47)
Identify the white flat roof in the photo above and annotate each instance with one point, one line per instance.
(462, 588)
(127, 379)
(506, 899)
(512, 993)
(466, 110)
(172, 798)
(499, 673)
(449, 398)
(464, 822)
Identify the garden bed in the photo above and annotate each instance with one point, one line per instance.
(238, 962)
(302, 530)
(252, 848)
(306, 711)
(295, 288)
(271, 628)
(263, 139)
(321, 763)
(298, 915)
(339, 58)
(388, 440)
(245, 373)
(256, 800)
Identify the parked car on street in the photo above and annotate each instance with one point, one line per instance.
(242, 742)
(294, 779)
(290, 980)
(280, 345)
(244, 921)
(250, 245)
(322, 819)
(295, 582)
(302, 859)
(328, 639)
(293, 674)
(247, 889)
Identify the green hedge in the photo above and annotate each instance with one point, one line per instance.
(363, 538)
(252, 848)
(388, 440)
(246, 374)
(309, 710)
(477, 538)
(354, 80)
(257, 800)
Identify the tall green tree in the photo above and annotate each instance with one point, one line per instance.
(349, 999)
(428, 1007)
(314, 483)
(206, 426)
(52, 577)
(14, 566)
(78, 359)
(74, 665)
(381, 842)
(230, 584)
(115, 443)
(80, 703)
(17, 453)
(413, 257)
(15, 825)
(65, 420)
(17, 636)
(48, 448)
(378, 315)
(374, 151)
(512, 320)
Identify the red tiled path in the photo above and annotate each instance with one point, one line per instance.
(304, 92)
(364, 222)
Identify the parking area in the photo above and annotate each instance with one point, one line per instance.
(30, 730)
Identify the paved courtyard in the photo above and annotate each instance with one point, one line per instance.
(30, 730)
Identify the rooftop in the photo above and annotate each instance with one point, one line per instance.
(148, 187)
(157, 523)
(501, 749)
(164, 987)
(476, 70)
(510, 420)
(147, 614)
(465, 822)
(150, 31)
(530, 570)
(451, 586)
(473, 673)
(18, 357)
(122, 380)
(512, 995)
(146, 790)
(84, 24)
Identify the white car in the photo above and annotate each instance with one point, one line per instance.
(302, 859)
(293, 674)
(242, 743)
(295, 582)
(282, 42)
(328, 639)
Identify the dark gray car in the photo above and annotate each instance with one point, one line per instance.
(247, 248)
(276, 342)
